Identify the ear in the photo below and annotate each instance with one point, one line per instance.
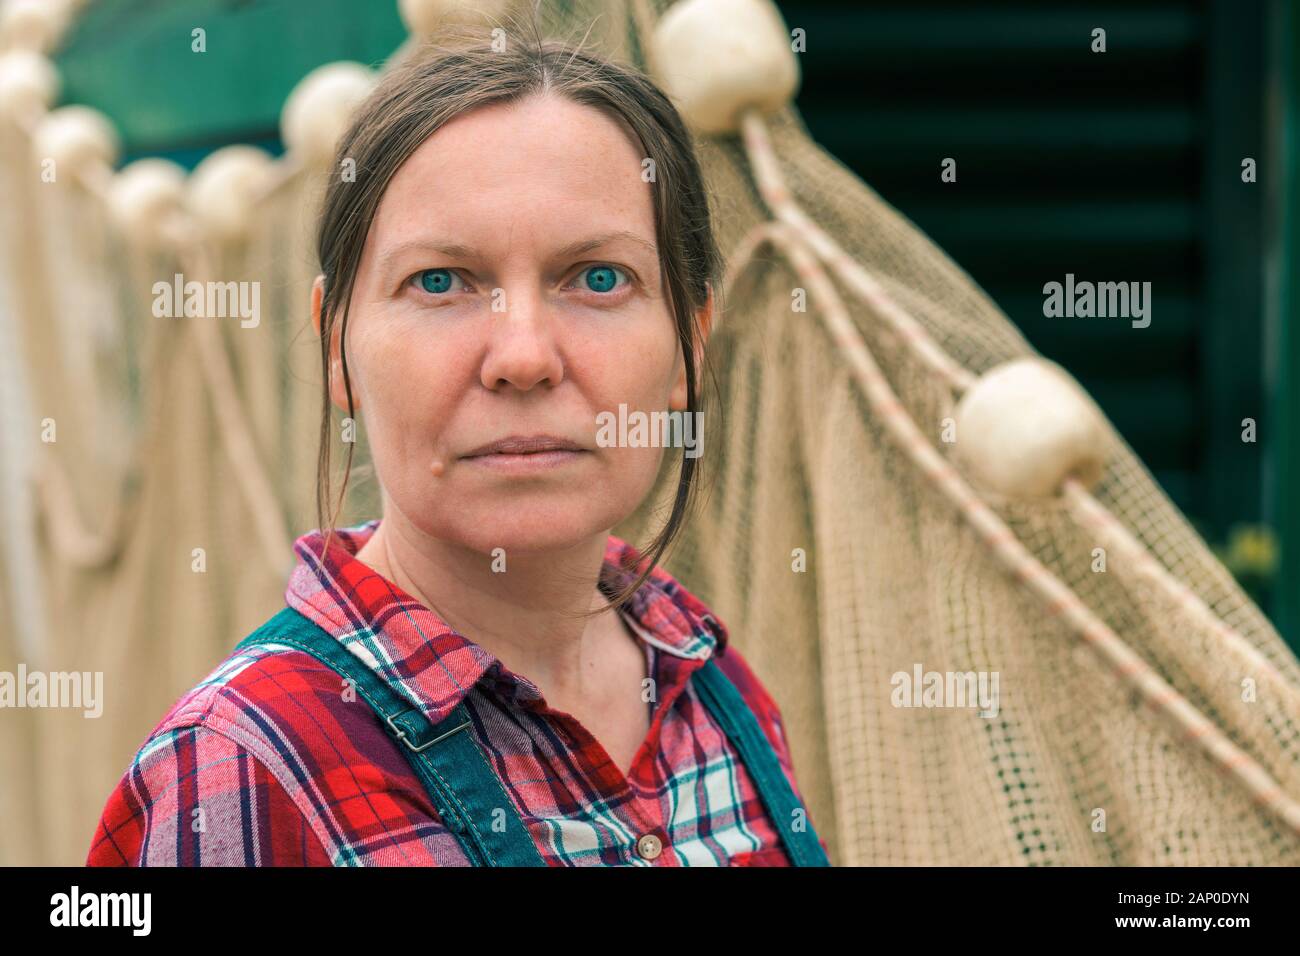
(338, 394)
(317, 297)
(704, 317)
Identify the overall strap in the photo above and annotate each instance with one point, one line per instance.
(729, 708)
(464, 788)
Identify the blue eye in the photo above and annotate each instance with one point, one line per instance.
(602, 278)
(435, 280)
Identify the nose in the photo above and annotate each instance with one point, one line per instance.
(522, 350)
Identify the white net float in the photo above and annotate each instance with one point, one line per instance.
(716, 58)
(423, 18)
(317, 112)
(143, 195)
(77, 138)
(34, 24)
(224, 189)
(1025, 426)
(28, 84)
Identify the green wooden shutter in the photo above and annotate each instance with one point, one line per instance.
(1115, 166)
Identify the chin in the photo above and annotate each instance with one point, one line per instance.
(522, 527)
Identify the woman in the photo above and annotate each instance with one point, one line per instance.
(487, 676)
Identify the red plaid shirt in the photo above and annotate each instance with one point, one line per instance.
(267, 762)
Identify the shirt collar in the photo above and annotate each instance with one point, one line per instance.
(421, 657)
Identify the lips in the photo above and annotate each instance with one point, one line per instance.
(524, 445)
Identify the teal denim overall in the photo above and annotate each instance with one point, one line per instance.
(465, 789)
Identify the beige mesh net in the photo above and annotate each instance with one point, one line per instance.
(1175, 743)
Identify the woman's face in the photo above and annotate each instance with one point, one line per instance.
(510, 287)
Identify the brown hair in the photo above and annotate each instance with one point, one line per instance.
(440, 82)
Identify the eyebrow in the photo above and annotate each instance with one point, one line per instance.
(457, 250)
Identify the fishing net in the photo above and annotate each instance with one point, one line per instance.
(1146, 711)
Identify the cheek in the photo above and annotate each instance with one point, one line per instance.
(405, 391)
(637, 368)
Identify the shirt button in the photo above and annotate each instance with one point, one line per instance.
(649, 846)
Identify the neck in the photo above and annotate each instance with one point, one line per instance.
(525, 615)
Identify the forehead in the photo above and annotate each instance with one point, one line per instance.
(540, 170)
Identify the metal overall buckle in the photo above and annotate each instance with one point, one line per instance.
(401, 734)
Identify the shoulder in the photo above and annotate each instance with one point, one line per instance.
(737, 669)
(248, 679)
(222, 779)
(194, 797)
(268, 698)
(733, 664)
